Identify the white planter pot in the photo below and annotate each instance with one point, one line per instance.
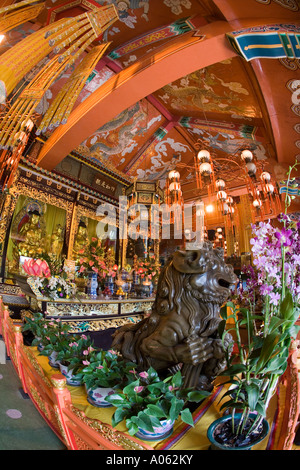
(96, 396)
(71, 378)
(52, 360)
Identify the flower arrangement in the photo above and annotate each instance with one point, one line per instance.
(147, 399)
(105, 369)
(262, 356)
(56, 287)
(148, 268)
(96, 258)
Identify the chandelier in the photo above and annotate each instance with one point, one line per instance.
(261, 188)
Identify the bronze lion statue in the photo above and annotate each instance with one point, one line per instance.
(182, 330)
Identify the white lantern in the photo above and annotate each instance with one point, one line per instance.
(270, 188)
(265, 176)
(225, 209)
(174, 174)
(203, 156)
(220, 184)
(174, 186)
(251, 168)
(229, 200)
(219, 230)
(257, 203)
(205, 169)
(247, 156)
(28, 125)
(221, 196)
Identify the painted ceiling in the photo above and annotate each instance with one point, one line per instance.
(228, 105)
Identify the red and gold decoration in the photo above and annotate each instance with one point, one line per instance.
(13, 15)
(68, 39)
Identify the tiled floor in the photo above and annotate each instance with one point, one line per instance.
(21, 425)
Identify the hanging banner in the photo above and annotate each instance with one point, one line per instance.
(274, 41)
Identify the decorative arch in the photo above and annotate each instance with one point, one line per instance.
(182, 56)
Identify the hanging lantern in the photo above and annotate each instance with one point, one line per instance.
(175, 186)
(257, 203)
(220, 184)
(221, 196)
(270, 188)
(205, 169)
(251, 168)
(225, 209)
(219, 230)
(27, 125)
(229, 200)
(247, 156)
(265, 177)
(203, 156)
(173, 174)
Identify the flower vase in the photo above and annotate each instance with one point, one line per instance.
(92, 284)
(96, 396)
(159, 433)
(71, 378)
(109, 284)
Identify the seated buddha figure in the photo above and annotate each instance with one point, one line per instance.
(57, 241)
(31, 235)
(81, 241)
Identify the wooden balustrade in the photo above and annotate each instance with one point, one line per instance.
(52, 399)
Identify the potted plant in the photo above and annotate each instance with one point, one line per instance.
(55, 338)
(104, 371)
(35, 323)
(73, 359)
(262, 353)
(150, 405)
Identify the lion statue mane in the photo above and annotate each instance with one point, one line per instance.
(182, 329)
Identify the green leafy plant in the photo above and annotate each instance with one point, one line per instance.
(56, 337)
(36, 324)
(105, 369)
(77, 353)
(148, 399)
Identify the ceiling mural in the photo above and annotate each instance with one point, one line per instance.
(212, 90)
(116, 141)
(228, 105)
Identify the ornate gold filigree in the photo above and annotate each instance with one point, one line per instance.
(108, 432)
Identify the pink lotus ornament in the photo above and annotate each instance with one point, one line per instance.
(36, 268)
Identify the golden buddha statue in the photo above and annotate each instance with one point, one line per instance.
(81, 241)
(57, 241)
(31, 236)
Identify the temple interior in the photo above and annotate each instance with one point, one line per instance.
(150, 221)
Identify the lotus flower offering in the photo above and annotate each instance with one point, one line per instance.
(36, 267)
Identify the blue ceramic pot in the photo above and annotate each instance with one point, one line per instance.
(96, 396)
(72, 379)
(215, 445)
(160, 433)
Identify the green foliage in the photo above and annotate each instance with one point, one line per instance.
(77, 353)
(261, 359)
(147, 399)
(105, 369)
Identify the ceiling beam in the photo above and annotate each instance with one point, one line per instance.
(168, 63)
